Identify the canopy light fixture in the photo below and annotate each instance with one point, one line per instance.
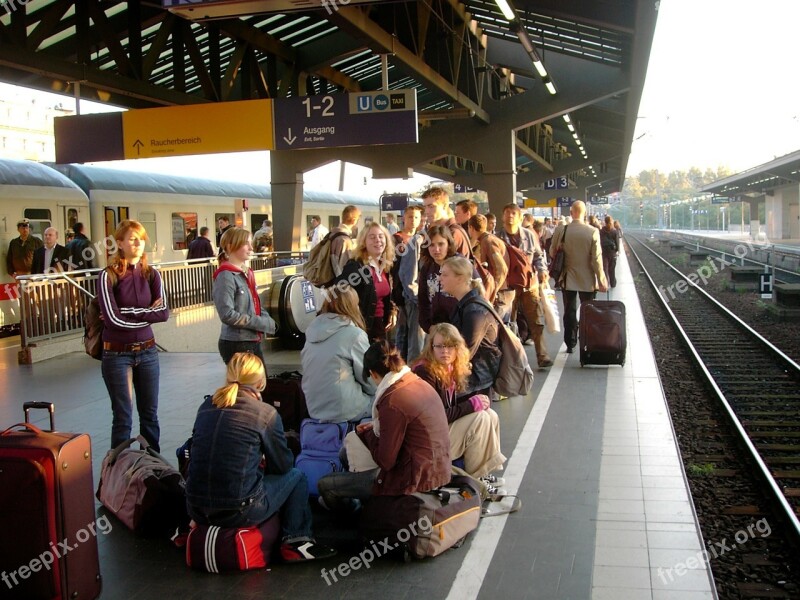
(507, 10)
(550, 87)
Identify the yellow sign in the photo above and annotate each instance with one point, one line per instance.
(198, 129)
(534, 203)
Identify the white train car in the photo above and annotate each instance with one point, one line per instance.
(174, 208)
(47, 199)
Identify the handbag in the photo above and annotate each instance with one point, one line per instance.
(557, 271)
(142, 489)
(549, 304)
(359, 458)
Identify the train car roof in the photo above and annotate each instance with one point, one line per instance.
(91, 178)
(28, 172)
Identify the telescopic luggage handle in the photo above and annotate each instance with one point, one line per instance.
(48, 406)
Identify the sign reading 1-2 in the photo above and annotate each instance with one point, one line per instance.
(559, 183)
(325, 106)
(358, 119)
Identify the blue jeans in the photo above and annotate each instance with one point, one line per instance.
(287, 493)
(124, 374)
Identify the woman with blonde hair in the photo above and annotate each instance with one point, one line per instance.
(474, 426)
(226, 485)
(472, 316)
(334, 384)
(131, 298)
(368, 273)
(244, 321)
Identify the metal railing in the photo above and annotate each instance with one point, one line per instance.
(53, 305)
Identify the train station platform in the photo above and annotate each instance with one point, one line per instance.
(592, 454)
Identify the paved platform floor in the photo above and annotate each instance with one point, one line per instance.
(591, 451)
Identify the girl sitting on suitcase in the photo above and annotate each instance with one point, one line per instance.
(474, 426)
(334, 383)
(407, 438)
(226, 485)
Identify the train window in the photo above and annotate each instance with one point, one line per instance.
(184, 230)
(148, 221)
(257, 220)
(40, 219)
(333, 221)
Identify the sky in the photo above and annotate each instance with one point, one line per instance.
(722, 89)
(722, 86)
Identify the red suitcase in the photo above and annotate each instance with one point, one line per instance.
(47, 515)
(602, 337)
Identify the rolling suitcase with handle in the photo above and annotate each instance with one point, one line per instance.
(47, 509)
(601, 332)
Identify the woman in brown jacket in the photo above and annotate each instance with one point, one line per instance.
(408, 437)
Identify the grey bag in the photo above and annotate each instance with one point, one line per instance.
(142, 489)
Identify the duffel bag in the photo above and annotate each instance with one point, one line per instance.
(143, 490)
(224, 549)
(424, 523)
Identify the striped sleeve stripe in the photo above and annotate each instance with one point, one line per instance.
(109, 304)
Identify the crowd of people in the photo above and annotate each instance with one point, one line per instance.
(405, 347)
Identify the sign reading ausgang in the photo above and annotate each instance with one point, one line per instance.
(358, 119)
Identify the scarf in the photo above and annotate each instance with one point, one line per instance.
(388, 380)
(251, 284)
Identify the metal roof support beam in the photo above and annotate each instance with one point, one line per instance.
(357, 23)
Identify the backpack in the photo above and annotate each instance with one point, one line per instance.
(520, 270)
(515, 376)
(93, 329)
(318, 269)
(487, 279)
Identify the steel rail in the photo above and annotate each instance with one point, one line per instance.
(762, 470)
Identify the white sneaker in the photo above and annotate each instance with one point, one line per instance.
(493, 480)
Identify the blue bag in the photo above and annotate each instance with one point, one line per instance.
(320, 443)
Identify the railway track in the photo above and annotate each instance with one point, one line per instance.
(757, 385)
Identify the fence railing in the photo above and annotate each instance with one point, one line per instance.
(53, 305)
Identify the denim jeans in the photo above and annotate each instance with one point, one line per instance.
(126, 373)
(287, 493)
(227, 348)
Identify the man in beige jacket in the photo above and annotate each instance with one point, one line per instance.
(583, 267)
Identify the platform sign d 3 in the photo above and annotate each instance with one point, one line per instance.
(336, 120)
(558, 183)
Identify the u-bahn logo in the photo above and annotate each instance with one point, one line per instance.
(364, 103)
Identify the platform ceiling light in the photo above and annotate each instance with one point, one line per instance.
(507, 10)
(570, 127)
(550, 87)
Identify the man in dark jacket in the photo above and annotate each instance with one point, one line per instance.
(52, 257)
(80, 249)
(20, 250)
(201, 246)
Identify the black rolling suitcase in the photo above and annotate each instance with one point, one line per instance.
(47, 518)
(285, 393)
(601, 332)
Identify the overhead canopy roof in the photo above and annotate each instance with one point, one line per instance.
(758, 180)
(465, 59)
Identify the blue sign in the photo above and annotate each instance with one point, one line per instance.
(559, 183)
(564, 201)
(394, 202)
(720, 200)
(309, 301)
(336, 120)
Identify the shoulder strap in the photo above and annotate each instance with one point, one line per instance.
(480, 300)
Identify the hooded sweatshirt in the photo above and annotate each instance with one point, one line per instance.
(333, 365)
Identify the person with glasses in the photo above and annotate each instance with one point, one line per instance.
(474, 426)
(19, 259)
